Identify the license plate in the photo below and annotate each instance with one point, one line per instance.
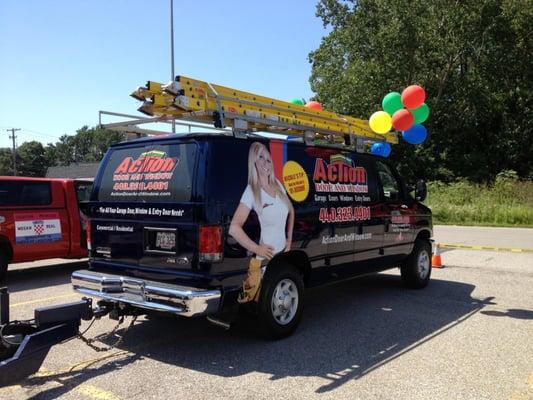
(157, 240)
(165, 240)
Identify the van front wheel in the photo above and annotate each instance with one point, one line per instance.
(416, 269)
(281, 301)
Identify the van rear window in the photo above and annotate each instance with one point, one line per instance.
(161, 173)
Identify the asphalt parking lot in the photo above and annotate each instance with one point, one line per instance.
(468, 335)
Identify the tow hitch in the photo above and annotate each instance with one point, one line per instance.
(25, 344)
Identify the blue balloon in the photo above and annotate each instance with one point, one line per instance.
(382, 149)
(416, 134)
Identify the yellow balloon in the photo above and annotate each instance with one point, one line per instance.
(380, 122)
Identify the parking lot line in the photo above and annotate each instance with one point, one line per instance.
(94, 392)
(23, 303)
(10, 389)
(85, 389)
(525, 393)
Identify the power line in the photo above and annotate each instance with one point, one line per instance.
(13, 136)
(41, 133)
(37, 132)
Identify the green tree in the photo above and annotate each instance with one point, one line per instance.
(33, 161)
(88, 145)
(474, 59)
(50, 154)
(6, 162)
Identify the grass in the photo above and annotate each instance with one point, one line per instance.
(507, 202)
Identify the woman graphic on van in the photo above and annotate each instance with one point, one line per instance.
(266, 196)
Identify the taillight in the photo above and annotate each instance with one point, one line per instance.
(88, 231)
(211, 246)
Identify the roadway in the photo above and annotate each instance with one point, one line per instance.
(468, 335)
(480, 235)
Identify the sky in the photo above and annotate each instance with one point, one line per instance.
(63, 61)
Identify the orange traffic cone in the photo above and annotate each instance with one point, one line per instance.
(436, 261)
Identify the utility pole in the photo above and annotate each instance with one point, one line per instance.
(13, 130)
(172, 76)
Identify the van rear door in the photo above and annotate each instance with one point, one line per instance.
(142, 207)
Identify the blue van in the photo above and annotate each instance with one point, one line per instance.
(202, 224)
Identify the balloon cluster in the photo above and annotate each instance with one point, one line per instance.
(404, 112)
(313, 105)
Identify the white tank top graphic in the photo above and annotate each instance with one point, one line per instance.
(272, 217)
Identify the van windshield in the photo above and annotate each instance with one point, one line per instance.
(161, 173)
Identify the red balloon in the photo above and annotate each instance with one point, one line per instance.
(402, 120)
(314, 105)
(413, 96)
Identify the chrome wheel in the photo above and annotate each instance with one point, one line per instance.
(423, 264)
(284, 301)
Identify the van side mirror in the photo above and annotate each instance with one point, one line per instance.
(421, 190)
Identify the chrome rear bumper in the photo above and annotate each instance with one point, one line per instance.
(181, 300)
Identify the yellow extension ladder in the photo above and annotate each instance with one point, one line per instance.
(198, 101)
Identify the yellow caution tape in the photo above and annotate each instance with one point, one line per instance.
(477, 247)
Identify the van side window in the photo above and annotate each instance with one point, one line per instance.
(373, 194)
(25, 193)
(391, 186)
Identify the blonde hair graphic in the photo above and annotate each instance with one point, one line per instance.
(256, 149)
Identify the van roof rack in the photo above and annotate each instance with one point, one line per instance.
(244, 113)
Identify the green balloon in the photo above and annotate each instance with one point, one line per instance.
(392, 102)
(421, 113)
(298, 102)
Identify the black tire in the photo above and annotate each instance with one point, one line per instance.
(288, 279)
(416, 269)
(3, 265)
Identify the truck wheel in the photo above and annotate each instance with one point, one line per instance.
(281, 301)
(416, 269)
(3, 265)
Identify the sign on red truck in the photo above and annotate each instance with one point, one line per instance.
(37, 227)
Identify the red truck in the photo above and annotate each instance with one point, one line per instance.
(40, 218)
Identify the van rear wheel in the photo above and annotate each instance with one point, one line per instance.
(281, 301)
(416, 269)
